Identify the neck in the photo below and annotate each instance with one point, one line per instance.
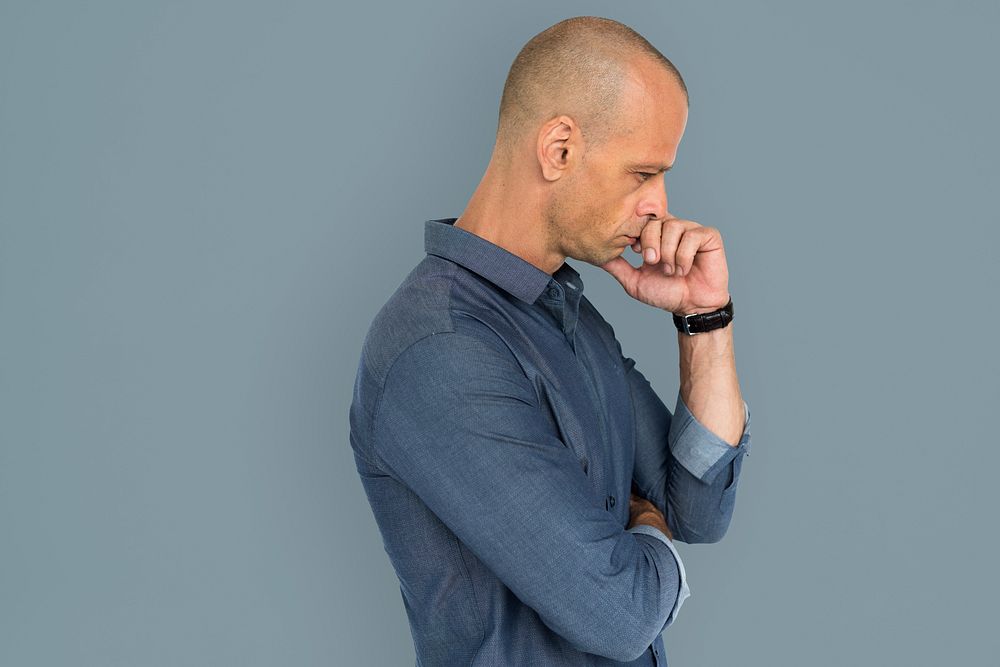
(507, 210)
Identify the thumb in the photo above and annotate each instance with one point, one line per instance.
(623, 272)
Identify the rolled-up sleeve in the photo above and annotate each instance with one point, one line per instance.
(460, 424)
(699, 449)
(681, 466)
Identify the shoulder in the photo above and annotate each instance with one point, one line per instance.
(419, 307)
(437, 321)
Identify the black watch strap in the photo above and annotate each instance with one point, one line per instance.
(702, 322)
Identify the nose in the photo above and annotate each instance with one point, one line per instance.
(654, 199)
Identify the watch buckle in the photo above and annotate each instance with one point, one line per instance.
(687, 326)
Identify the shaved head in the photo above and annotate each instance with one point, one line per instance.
(591, 118)
(576, 67)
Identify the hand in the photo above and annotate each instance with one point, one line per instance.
(687, 272)
(644, 512)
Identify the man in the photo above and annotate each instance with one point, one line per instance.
(496, 424)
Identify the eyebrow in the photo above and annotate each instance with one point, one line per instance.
(654, 167)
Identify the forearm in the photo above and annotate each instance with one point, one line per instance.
(684, 466)
(708, 382)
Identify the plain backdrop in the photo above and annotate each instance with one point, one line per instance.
(203, 205)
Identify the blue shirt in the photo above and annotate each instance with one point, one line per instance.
(499, 430)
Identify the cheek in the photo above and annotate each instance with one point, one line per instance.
(629, 205)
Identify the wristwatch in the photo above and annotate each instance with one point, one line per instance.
(696, 323)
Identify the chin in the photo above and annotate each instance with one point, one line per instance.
(599, 261)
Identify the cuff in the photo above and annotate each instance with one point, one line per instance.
(683, 591)
(699, 450)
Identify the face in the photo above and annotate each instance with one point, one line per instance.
(616, 188)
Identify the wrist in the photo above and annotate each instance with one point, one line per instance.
(691, 309)
(703, 319)
(699, 311)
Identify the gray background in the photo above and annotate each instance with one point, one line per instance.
(204, 204)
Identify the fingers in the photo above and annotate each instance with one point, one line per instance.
(688, 248)
(644, 512)
(662, 241)
(650, 240)
(673, 243)
(640, 504)
(673, 230)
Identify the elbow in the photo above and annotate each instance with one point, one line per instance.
(620, 635)
(624, 641)
(708, 527)
(638, 642)
(625, 609)
(705, 533)
(629, 629)
(708, 537)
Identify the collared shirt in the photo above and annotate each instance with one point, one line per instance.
(499, 431)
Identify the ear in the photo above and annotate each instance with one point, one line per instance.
(559, 145)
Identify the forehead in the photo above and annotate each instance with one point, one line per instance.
(654, 115)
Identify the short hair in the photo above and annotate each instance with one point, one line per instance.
(576, 67)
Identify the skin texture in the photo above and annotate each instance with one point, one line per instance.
(548, 196)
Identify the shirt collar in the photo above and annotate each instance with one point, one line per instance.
(498, 265)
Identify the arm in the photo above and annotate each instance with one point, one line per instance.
(686, 272)
(709, 385)
(684, 467)
(647, 518)
(460, 424)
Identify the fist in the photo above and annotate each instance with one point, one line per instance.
(645, 513)
(684, 267)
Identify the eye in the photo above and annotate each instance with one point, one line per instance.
(644, 175)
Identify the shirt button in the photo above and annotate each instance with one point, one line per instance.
(553, 291)
(610, 502)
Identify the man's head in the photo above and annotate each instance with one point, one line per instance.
(596, 113)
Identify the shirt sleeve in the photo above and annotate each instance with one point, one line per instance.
(685, 469)
(699, 449)
(460, 424)
(685, 591)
